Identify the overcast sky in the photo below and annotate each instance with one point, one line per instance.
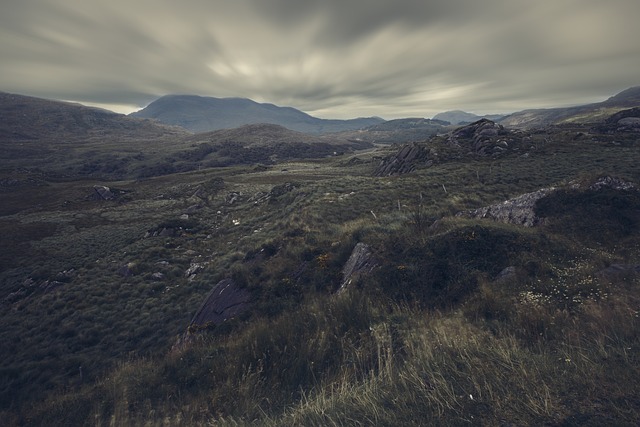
(330, 58)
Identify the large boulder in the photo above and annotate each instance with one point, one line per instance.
(525, 209)
(519, 210)
(484, 137)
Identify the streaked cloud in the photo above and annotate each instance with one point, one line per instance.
(330, 58)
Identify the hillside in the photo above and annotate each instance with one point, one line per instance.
(69, 141)
(590, 113)
(202, 114)
(485, 275)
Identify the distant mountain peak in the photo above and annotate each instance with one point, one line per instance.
(203, 114)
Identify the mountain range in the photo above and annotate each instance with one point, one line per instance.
(203, 114)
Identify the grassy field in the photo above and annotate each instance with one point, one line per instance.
(430, 337)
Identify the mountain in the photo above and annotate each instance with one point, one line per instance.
(458, 117)
(589, 113)
(71, 140)
(26, 118)
(202, 114)
(65, 139)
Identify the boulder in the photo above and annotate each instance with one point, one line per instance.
(484, 137)
(225, 301)
(361, 262)
(519, 210)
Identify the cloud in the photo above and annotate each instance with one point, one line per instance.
(332, 58)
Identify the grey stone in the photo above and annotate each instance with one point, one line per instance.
(225, 301)
(361, 262)
(519, 210)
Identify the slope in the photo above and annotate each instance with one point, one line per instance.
(202, 114)
(589, 113)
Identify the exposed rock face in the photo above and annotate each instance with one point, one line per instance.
(362, 261)
(225, 301)
(404, 161)
(484, 136)
(612, 182)
(519, 210)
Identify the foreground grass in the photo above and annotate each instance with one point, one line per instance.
(353, 360)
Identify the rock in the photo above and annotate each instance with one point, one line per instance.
(631, 122)
(622, 121)
(233, 197)
(167, 232)
(51, 286)
(157, 276)
(103, 192)
(404, 161)
(225, 301)
(484, 136)
(193, 269)
(361, 262)
(612, 182)
(519, 210)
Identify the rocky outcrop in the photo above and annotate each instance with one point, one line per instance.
(622, 121)
(519, 210)
(613, 183)
(404, 161)
(361, 262)
(484, 137)
(225, 301)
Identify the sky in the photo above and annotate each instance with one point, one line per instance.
(329, 58)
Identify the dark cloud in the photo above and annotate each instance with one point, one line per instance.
(332, 58)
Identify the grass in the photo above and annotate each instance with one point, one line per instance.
(429, 337)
